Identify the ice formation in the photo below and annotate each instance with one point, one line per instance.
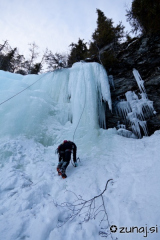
(111, 81)
(123, 108)
(34, 123)
(139, 80)
(126, 133)
(136, 109)
(73, 96)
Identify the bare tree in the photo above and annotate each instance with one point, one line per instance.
(88, 210)
(56, 61)
(2, 46)
(33, 55)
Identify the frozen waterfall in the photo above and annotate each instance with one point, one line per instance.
(64, 98)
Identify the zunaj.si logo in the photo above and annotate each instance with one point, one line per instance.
(144, 230)
(113, 228)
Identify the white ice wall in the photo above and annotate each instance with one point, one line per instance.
(56, 99)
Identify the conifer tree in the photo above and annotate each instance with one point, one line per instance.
(7, 63)
(36, 68)
(78, 51)
(12, 61)
(144, 16)
(17, 61)
(105, 32)
(24, 66)
(2, 46)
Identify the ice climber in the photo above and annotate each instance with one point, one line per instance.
(64, 150)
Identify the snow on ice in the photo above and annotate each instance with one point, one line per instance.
(61, 105)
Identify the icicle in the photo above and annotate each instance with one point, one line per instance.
(103, 85)
(74, 97)
(136, 124)
(123, 108)
(140, 105)
(135, 110)
(139, 81)
(148, 105)
(111, 82)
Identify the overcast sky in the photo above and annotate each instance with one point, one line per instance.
(55, 24)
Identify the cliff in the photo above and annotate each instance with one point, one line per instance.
(142, 54)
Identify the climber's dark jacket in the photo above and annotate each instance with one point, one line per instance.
(65, 150)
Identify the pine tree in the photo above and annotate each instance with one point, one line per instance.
(36, 68)
(2, 46)
(12, 61)
(78, 51)
(7, 63)
(144, 16)
(105, 32)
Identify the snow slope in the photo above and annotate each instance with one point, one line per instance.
(63, 105)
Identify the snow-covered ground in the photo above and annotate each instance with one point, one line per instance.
(65, 105)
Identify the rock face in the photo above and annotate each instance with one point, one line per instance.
(142, 54)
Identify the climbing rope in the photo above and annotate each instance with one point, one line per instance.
(81, 113)
(39, 80)
(83, 106)
(21, 91)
